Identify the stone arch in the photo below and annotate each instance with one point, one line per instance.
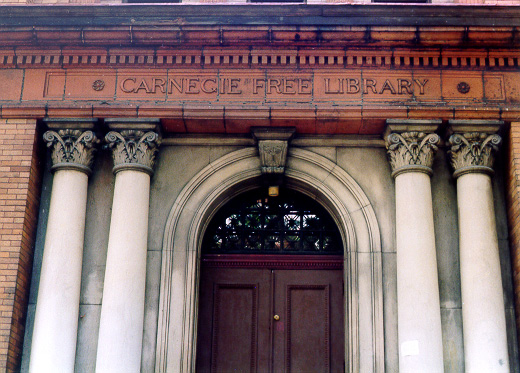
(239, 171)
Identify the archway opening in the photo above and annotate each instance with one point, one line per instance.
(271, 294)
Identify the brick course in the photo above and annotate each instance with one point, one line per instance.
(19, 200)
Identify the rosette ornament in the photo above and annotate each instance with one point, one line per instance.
(71, 149)
(133, 149)
(411, 151)
(473, 152)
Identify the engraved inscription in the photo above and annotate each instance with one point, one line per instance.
(182, 85)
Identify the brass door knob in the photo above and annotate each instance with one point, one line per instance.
(276, 317)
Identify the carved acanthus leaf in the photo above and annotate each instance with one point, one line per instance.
(411, 149)
(71, 148)
(133, 147)
(473, 149)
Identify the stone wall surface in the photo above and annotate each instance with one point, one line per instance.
(19, 200)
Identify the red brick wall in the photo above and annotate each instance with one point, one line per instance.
(19, 200)
(513, 194)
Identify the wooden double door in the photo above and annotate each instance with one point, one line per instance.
(266, 318)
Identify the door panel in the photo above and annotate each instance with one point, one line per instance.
(233, 317)
(237, 330)
(310, 306)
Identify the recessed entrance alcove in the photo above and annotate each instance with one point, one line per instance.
(315, 177)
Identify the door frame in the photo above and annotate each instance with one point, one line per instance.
(237, 172)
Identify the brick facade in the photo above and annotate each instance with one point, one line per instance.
(19, 200)
(513, 194)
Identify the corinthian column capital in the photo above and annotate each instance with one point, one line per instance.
(473, 146)
(133, 149)
(411, 146)
(72, 144)
(134, 143)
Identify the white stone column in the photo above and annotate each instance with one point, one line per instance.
(55, 330)
(411, 147)
(122, 310)
(483, 314)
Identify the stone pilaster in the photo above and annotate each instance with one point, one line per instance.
(120, 333)
(57, 308)
(472, 148)
(411, 149)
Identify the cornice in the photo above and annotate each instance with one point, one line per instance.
(258, 14)
(156, 35)
(250, 25)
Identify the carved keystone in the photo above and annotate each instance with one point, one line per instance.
(411, 145)
(473, 144)
(273, 144)
(72, 143)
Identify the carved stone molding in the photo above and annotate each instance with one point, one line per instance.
(71, 149)
(272, 148)
(473, 152)
(133, 149)
(411, 151)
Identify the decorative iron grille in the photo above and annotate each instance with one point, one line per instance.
(291, 223)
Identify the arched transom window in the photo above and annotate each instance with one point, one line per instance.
(255, 223)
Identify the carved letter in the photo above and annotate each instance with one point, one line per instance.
(205, 89)
(304, 86)
(387, 85)
(327, 86)
(192, 86)
(159, 82)
(143, 85)
(369, 83)
(233, 86)
(352, 85)
(273, 83)
(124, 87)
(421, 85)
(173, 83)
(404, 84)
(288, 87)
(257, 83)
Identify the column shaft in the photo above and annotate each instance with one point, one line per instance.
(122, 313)
(419, 322)
(55, 330)
(485, 339)
(56, 319)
